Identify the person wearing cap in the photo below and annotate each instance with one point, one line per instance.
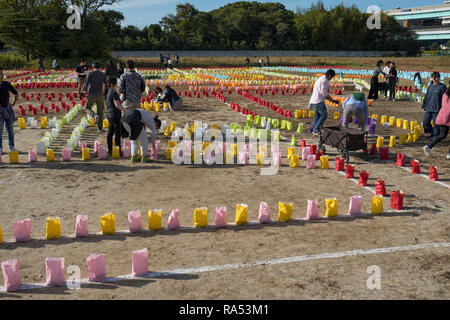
(357, 106)
(95, 87)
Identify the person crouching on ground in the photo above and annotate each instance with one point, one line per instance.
(133, 125)
(169, 95)
(432, 104)
(114, 112)
(443, 121)
(356, 106)
(317, 101)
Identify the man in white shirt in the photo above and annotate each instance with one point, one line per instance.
(317, 102)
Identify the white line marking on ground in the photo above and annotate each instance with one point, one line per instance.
(426, 177)
(330, 255)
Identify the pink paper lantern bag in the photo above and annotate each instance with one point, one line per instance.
(264, 213)
(355, 205)
(22, 230)
(312, 212)
(139, 260)
(81, 226)
(11, 275)
(221, 217)
(96, 267)
(135, 221)
(172, 222)
(54, 271)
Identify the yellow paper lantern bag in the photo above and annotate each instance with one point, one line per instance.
(50, 155)
(260, 156)
(304, 113)
(413, 125)
(380, 142)
(116, 152)
(43, 122)
(375, 116)
(106, 124)
(1, 235)
(324, 163)
(167, 131)
(53, 228)
(241, 214)
(172, 126)
(399, 123)
(22, 124)
(154, 219)
(85, 155)
(336, 115)
(291, 152)
(157, 107)
(169, 153)
(285, 211)
(331, 208)
(311, 114)
(108, 223)
(377, 205)
(402, 139)
(383, 119)
(92, 122)
(200, 217)
(405, 125)
(165, 106)
(14, 157)
(392, 121)
(295, 161)
(410, 138)
(172, 144)
(298, 114)
(392, 141)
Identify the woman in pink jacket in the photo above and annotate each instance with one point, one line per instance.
(443, 121)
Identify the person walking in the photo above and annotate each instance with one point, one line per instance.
(432, 104)
(374, 86)
(82, 71)
(95, 86)
(247, 61)
(111, 70)
(6, 111)
(392, 81)
(55, 65)
(443, 121)
(418, 80)
(161, 58)
(41, 64)
(317, 101)
(177, 58)
(131, 85)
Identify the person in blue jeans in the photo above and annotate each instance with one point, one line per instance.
(6, 111)
(317, 101)
(432, 104)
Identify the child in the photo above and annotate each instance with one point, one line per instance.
(432, 104)
(443, 121)
(114, 112)
(133, 125)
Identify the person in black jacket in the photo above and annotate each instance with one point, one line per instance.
(169, 95)
(432, 104)
(114, 113)
(374, 86)
(6, 111)
(392, 81)
(111, 71)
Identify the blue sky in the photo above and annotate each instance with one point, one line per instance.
(144, 12)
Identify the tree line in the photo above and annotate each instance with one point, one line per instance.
(38, 27)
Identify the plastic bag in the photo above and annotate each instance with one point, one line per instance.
(22, 230)
(377, 205)
(221, 217)
(312, 212)
(285, 211)
(200, 217)
(96, 267)
(81, 226)
(154, 219)
(108, 223)
(135, 221)
(53, 228)
(241, 214)
(355, 205)
(11, 275)
(139, 262)
(331, 208)
(54, 272)
(324, 163)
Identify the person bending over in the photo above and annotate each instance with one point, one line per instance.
(169, 95)
(133, 125)
(356, 106)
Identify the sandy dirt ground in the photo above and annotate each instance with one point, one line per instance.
(95, 187)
